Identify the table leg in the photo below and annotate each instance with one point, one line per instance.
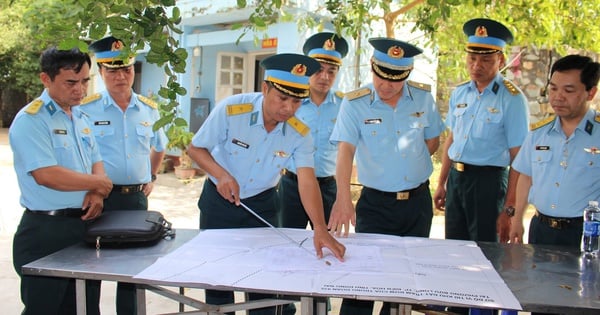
(80, 296)
(140, 296)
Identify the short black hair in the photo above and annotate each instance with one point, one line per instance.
(590, 70)
(52, 60)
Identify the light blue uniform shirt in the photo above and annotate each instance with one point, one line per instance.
(240, 143)
(48, 137)
(565, 172)
(125, 138)
(391, 154)
(320, 120)
(485, 125)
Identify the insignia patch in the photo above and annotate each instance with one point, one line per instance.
(592, 150)
(34, 107)
(358, 93)
(86, 131)
(493, 110)
(373, 121)
(299, 126)
(240, 143)
(145, 123)
(90, 98)
(511, 88)
(340, 94)
(419, 85)
(281, 154)
(541, 123)
(237, 109)
(589, 127)
(147, 101)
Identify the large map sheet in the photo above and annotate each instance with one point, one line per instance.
(434, 271)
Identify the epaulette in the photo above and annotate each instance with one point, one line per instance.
(541, 123)
(90, 98)
(463, 83)
(511, 88)
(236, 109)
(419, 85)
(147, 101)
(358, 93)
(340, 94)
(597, 118)
(298, 125)
(34, 107)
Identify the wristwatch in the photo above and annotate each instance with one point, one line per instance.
(153, 177)
(510, 211)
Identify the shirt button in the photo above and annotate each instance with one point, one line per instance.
(553, 206)
(257, 160)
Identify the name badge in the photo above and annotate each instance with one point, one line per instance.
(240, 143)
(462, 105)
(373, 121)
(60, 131)
(542, 148)
(102, 123)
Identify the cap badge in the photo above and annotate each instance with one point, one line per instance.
(395, 52)
(481, 31)
(116, 45)
(299, 70)
(329, 45)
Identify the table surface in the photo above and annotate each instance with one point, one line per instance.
(542, 278)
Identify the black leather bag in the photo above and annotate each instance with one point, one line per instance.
(128, 228)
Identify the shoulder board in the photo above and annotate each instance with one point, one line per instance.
(597, 118)
(419, 85)
(358, 93)
(299, 126)
(511, 88)
(463, 83)
(147, 101)
(541, 123)
(34, 107)
(340, 94)
(90, 98)
(237, 109)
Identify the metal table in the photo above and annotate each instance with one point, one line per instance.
(543, 278)
(547, 278)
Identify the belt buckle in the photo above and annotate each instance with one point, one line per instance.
(125, 190)
(459, 166)
(555, 224)
(403, 195)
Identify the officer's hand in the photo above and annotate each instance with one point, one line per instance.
(92, 204)
(515, 236)
(323, 239)
(103, 185)
(503, 227)
(229, 189)
(148, 187)
(439, 198)
(342, 215)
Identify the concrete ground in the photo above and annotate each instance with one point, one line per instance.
(175, 199)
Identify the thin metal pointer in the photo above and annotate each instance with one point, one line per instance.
(299, 244)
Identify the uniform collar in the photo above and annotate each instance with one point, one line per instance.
(108, 101)
(330, 98)
(50, 105)
(494, 85)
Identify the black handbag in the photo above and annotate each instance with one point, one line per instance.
(128, 228)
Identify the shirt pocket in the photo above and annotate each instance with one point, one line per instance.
(144, 136)
(104, 131)
(488, 124)
(65, 150)
(540, 161)
(375, 136)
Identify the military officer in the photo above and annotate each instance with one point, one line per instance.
(245, 143)
(488, 121)
(319, 111)
(122, 123)
(61, 178)
(392, 126)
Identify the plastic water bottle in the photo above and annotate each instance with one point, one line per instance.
(591, 229)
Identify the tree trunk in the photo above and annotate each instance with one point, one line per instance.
(11, 101)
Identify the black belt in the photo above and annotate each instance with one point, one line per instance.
(321, 180)
(128, 189)
(402, 195)
(559, 223)
(464, 167)
(68, 212)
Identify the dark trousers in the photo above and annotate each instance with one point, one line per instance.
(218, 213)
(542, 233)
(38, 236)
(126, 303)
(474, 200)
(378, 212)
(292, 213)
